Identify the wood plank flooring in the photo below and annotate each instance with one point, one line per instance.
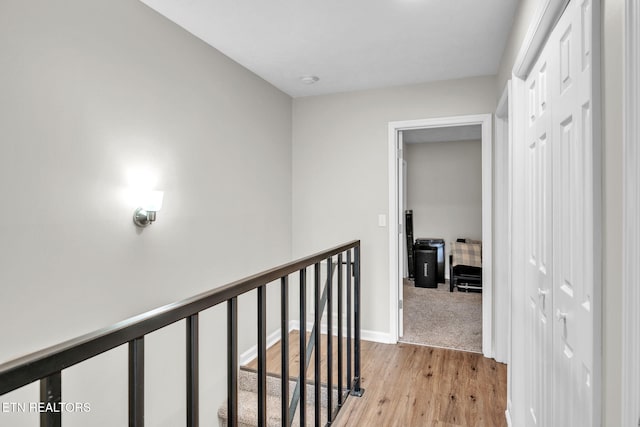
(408, 385)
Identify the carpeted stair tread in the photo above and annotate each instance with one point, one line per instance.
(248, 381)
(248, 411)
(248, 398)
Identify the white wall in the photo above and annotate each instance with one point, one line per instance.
(612, 44)
(90, 89)
(444, 190)
(522, 19)
(340, 170)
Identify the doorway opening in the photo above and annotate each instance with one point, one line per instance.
(440, 129)
(442, 198)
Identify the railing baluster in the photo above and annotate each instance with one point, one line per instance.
(136, 382)
(284, 350)
(318, 353)
(51, 396)
(262, 356)
(303, 346)
(349, 378)
(329, 339)
(309, 352)
(232, 362)
(193, 375)
(340, 330)
(357, 389)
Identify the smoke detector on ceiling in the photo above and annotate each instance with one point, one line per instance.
(309, 80)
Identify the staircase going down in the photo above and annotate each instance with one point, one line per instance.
(248, 401)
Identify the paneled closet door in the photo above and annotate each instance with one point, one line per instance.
(559, 176)
(573, 274)
(538, 303)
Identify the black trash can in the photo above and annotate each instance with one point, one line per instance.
(425, 268)
(438, 246)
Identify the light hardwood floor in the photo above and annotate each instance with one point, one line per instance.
(408, 385)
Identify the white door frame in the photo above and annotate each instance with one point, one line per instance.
(516, 369)
(631, 219)
(487, 251)
(502, 180)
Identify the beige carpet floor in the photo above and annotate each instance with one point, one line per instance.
(437, 317)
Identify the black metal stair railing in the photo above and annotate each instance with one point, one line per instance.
(310, 345)
(326, 300)
(47, 365)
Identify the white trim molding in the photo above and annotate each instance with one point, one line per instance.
(502, 180)
(365, 334)
(294, 325)
(516, 368)
(485, 120)
(507, 416)
(274, 337)
(503, 244)
(543, 21)
(631, 218)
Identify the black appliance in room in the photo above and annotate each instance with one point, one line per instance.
(426, 268)
(436, 245)
(408, 222)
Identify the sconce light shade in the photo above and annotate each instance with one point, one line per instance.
(151, 203)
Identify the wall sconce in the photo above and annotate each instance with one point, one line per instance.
(150, 204)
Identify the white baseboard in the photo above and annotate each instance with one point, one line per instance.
(274, 337)
(507, 415)
(375, 336)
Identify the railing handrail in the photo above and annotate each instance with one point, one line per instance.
(40, 364)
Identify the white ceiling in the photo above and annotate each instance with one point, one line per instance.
(350, 44)
(443, 134)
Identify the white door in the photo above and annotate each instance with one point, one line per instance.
(402, 239)
(559, 174)
(573, 274)
(538, 304)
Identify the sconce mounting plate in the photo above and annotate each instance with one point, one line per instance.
(143, 218)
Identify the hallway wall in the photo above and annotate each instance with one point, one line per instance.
(523, 16)
(340, 170)
(444, 190)
(90, 90)
(612, 182)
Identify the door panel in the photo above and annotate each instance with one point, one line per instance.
(573, 218)
(559, 175)
(538, 287)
